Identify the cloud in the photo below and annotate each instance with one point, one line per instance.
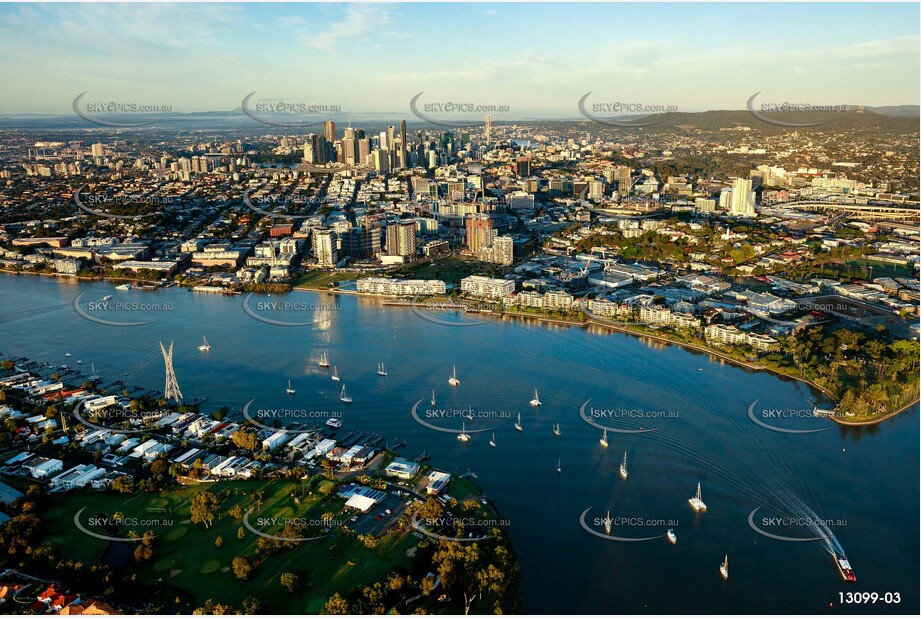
(359, 20)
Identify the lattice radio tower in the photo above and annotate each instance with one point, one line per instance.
(171, 391)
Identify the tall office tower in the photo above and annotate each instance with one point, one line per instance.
(523, 166)
(319, 148)
(98, 150)
(432, 160)
(726, 199)
(325, 248)
(381, 160)
(479, 232)
(349, 148)
(743, 200)
(398, 154)
(310, 153)
(329, 131)
(401, 239)
(403, 144)
(488, 129)
(364, 150)
(385, 144)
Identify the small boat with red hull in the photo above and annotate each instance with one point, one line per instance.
(845, 568)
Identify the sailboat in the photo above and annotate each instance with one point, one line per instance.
(335, 376)
(518, 424)
(556, 429)
(607, 523)
(724, 568)
(453, 381)
(463, 436)
(536, 401)
(324, 362)
(492, 441)
(380, 369)
(289, 390)
(623, 467)
(94, 376)
(559, 466)
(433, 396)
(344, 396)
(205, 346)
(604, 437)
(696, 503)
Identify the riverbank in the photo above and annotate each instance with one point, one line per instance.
(393, 301)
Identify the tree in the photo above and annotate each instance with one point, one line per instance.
(289, 581)
(245, 439)
(204, 506)
(7, 364)
(242, 567)
(336, 606)
(123, 484)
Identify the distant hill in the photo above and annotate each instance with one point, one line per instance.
(898, 119)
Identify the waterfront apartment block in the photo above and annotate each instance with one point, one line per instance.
(722, 334)
(554, 299)
(400, 287)
(486, 287)
(661, 316)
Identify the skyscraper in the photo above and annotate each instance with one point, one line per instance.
(324, 247)
(479, 233)
(743, 200)
(488, 129)
(523, 166)
(403, 162)
(329, 131)
(401, 239)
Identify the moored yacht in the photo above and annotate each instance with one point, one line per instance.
(696, 502)
(335, 376)
(344, 395)
(724, 568)
(536, 401)
(289, 390)
(205, 346)
(453, 381)
(463, 436)
(518, 423)
(492, 441)
(556, 429)
(334, 423)
(604, 437)
(670, 535)
(623, 467)
(324, 362)
(380, 369)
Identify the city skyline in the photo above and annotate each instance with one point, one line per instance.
(688, 57)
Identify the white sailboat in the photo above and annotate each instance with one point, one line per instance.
(205, 346)
(289, 390)
(623, 467)
(453, 381)
(607, 523)
(463, 436)
(536, 401)
(335, 376)
(556, 429)
(518, 423)
(433, 396)
(724, 568)
(324, 362)
(670, 534)
(559, 466)
(380, 369)
(492, 441)
(344, 396)
(696, 502)
(604, 437)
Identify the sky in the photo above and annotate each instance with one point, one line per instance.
(538, 59)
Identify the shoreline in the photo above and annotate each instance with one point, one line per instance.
(541, 318)
(390, 301)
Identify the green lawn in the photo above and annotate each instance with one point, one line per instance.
(320, 279)
(185, 555)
